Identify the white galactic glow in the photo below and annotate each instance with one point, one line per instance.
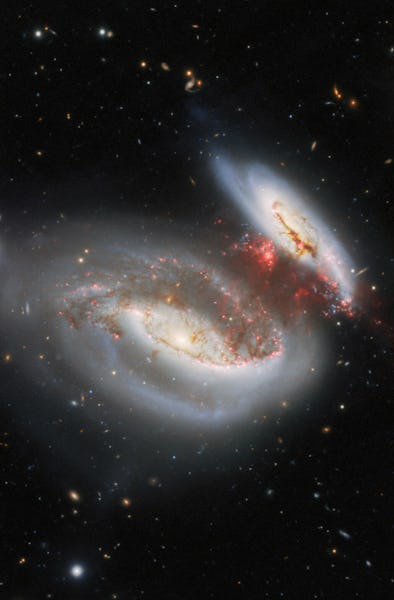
(165, 331)
(77, 571)
(277, 210)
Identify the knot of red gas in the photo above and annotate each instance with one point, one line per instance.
(288, 286)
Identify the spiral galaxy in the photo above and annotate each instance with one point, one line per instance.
(197, 332)
(278, 210)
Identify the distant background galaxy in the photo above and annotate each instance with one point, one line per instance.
(196, 301)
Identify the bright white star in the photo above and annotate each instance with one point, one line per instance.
(77, 571)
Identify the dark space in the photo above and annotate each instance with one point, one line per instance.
(114, 112)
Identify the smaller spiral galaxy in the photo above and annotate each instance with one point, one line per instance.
(278, 211)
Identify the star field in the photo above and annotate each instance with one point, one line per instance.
(116, 118)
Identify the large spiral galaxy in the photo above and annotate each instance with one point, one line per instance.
(201, 332)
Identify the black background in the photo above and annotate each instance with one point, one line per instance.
(258, 513)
